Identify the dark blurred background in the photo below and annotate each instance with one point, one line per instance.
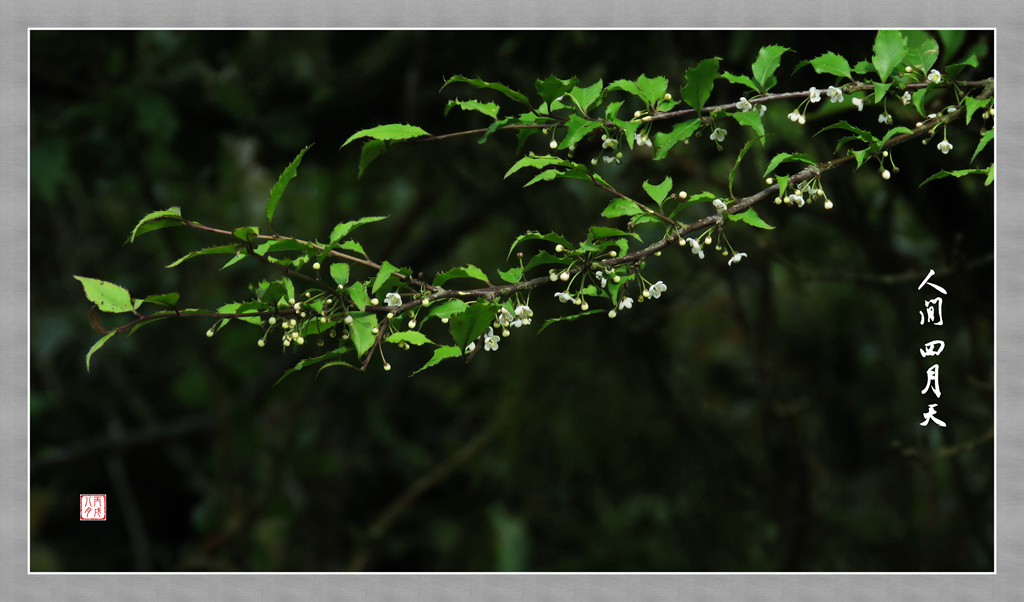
(758, 417)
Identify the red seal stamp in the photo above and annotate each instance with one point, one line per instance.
(92, 506)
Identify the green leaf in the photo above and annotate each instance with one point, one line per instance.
(156, 220)
(952, 40)
(340, 273)
(624, 85)
(282, 183)
(166, 299)
(665, 141)
(699, 82)
(385, 272)
(536, 161)
(881, 90)
(585, 97)
(894, 131)
(750, 217)
(552, 88)
(470, 324)
(973, 104)
(96, 346)
(342, 230)
(487, 108)
(659, 192)
(619, 207)
(652, 89)
(576, 128)
(371, 150)
(786, 158)
(597, 232)
(985, 139)
(889, 49)
(470, 271)
(832, 64)
(312, 361)
(512, 276)
(108, 296)
(357, 292)
(206, 251)
(736, 166)
(440, 354)
(569, 318)
(246, 233)
(612, 110)
(959, 173)
(545, 258)
(552, 237)
(448, 308)
(864, 135)
(750, 119)
(629, 129)
(392, 131)
(412, 337)
(479, 83)
(285, 244)
(740, 79)
(922, 50)
(768, 60)
(361, 330)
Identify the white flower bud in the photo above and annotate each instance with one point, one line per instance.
(564, 276)
(552, 276)
(616, 279)
(374, 301)
(681, 194)
(444, 320)
(559, 248)
(412, 324)
(612, 314)
(261, 342)
(316, 266)
(209, 333)
(387, 367)
(885, 174)
(637, 114)
(272, 320)
(391, 314)
(828, 204)
(553, 144)
(584, 306)
(375, 330)
(348, 320)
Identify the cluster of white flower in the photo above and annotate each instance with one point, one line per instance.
(796, 117)
(745, 105)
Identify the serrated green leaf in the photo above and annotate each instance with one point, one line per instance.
(740, 79)
(512, 276)
(357, 292)
(864, 135)
(286, 244)
(922, 49)
(973, 104)
(470, 324)
(246, 233)
(958, 173)
(781, 158)
(750, 217)
(736, 166)
(440, 354)
(624, 85)
(893, 132)
(598, 232)
(881, 90)
(552, 88)
(665, 141)
(619, 207)
(953, 71)
(385, 272)
(156, 220)
(889, 49)
(550, 237)
(312, 361)
(545, 258)
(487, 108)
(652, 89)
(768, 60)
(166, 299)
(361, 330)
(96, 346)
(282, 182)
(575, 129)
(340, 273)
(109, 297)
(448, 308)
(985, 139)
(585, 97)
(750, 119)
(469, 271)
(412, 337)
(535, 161)
(612, 110)
(371, 150)
(629, 129)
(479, 83)
(544, 176)
(700, 80)
(832, 64)
(391, 131)
(344, 228)
(952, 40)
(660, 191)
(569, 318)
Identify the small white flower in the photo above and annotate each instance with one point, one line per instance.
(608, 159)
(744, 104)
(657, 289)
(601, 278)
(718, 134)
(794, 116)
(470, 347)
(945, 146)
(504, 318)
(564, 297)
(491, 340)
(719, 205)
(626, 303)
(695, 247)
(609, 143)
(392, 299)
(814, 95)
(906, 98)
(761, 108)
(934, 76)
(859, 103)
(737, 257)
(835, 94)
(886, 119)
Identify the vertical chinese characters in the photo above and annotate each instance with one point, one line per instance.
(932, 314)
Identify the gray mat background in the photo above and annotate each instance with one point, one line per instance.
(20, 15)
